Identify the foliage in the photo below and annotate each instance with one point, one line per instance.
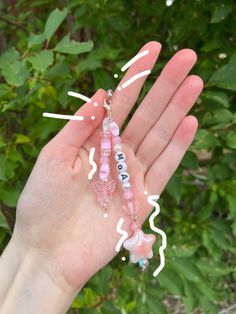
(48, 51)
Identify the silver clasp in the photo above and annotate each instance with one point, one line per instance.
(107, 103)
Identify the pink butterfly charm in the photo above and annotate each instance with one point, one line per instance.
(104, 190)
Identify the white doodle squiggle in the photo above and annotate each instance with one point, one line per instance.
(80, 96)
(122, 232)
(134, 59)
(92, 163)
(151, 200)
(134, 78)
(62, 116)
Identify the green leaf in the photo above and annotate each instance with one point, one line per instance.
(219, 97)
(2, 168)
(190, 160)
(9, 197)
(4, 90)
(73, 47)
(221, 11)
(155, 306)
(187, 269)
(209, 307)
(205, 140)
(35, 40)
(3, 222)
(231, 139)
(129, 308)
(9, 56)
(57, 72)
(22, 139)
(54, 20)
(190, 300)
(15, 73)
(225, 77)
(170, 280)
(174, 187)
(42, 60)
(103, 79)
(218, 117)
(109, 307)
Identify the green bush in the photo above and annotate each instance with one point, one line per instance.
(48, 51)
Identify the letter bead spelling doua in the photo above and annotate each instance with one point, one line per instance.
(139, 244)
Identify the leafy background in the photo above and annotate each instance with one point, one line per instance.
(46, 51)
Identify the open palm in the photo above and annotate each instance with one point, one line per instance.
(58, 216)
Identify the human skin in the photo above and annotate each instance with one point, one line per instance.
(61, 237)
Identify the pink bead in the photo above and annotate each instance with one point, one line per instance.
(105, 143)
(116, 140)
(135, 225)
(128, 194)
(105, 152)
(114, 129)
(104, 171)
(104, 160)
(105, 134)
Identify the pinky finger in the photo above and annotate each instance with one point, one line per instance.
(165, 165)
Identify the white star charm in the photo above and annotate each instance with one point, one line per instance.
(140, 246)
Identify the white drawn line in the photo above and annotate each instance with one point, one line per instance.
(151, 200)
(80, 96)
(134, 59)
(62, 116)
(122, 232)
(135, 77)
(92, 163)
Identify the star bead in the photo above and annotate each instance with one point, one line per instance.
(140, 246)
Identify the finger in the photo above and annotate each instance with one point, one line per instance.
(164, 166)
(124, 100)
(159, 96)
(75, 133)
(161, 133)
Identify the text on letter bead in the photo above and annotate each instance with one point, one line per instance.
(121, 166)
(123, 176)
(120, 156)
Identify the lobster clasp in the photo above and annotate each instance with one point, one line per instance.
(107, 103)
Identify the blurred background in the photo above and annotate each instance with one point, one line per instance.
(49, 47)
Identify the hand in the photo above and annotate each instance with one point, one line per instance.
(58, 217)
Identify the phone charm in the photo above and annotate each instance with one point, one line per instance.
(139, 244)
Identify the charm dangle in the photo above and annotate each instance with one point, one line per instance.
(105, 188)
(139, 244)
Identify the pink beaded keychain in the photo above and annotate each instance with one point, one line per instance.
(139, 244)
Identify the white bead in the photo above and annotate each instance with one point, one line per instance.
(117, 147)
(126, 186)
(119, 156)
(123, 176)
(121, 166)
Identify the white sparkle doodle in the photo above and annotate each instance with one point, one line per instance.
(62, 116)
(134, 78)
(134, 59)
(122, 232)
(92, 163)
(80, 96)
(151, 200)
(71, 117)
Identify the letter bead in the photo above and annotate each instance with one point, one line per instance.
(121, 166)
(119, 156)
(123, 176)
